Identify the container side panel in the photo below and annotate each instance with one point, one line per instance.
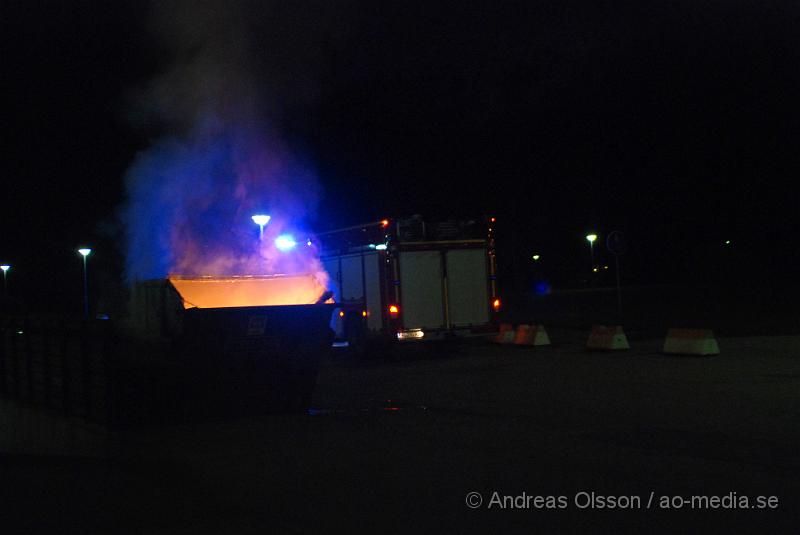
(373, 284)
(352, 280)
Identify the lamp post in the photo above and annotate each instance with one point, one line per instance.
(84, 252)
(5, 268)
(261, 220)
(591, 238)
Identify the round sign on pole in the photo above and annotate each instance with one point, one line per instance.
(616, 242)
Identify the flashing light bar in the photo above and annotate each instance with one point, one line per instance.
(285, 242)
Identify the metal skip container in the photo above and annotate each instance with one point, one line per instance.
(241, 344)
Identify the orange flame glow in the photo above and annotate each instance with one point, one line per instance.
(223, 292)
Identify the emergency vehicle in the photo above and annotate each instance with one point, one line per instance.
(412, 278)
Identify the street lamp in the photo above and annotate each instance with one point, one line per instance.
(261, 220)
(84, 252)
(5, 268)
(591, 238)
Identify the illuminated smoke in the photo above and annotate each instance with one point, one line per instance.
(218, 161)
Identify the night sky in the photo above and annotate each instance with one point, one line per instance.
(674, 122)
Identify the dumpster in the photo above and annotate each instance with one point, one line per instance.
(233, 345)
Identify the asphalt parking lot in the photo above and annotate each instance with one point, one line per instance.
(397, 442)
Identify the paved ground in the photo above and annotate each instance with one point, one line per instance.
(396, 444)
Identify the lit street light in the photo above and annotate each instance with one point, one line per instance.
(84, 253)
(5, 268)
(591, 238)
(261, 220)
(536, 257)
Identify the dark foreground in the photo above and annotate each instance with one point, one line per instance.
(397, 443)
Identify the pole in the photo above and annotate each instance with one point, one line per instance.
(5, 283)
(591, 253)
(260, 232)
(619, 290)
(85, 290)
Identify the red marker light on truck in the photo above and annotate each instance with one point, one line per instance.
(496, 305)
(385, 223)
(393, 311)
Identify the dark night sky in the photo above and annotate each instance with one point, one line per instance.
(676, 122)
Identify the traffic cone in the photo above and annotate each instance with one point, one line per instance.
(531, 335)
(505, 334)
(690, 342)
(609, 338)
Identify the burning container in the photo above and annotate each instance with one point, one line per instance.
(243, 344)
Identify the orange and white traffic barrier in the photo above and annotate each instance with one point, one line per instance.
(690, 342)
(531, 335)
(608, 338)
(505, 334)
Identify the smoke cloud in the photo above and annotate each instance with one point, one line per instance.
(219, 157)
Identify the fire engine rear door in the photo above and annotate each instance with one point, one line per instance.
(467, 292)
(421, 289)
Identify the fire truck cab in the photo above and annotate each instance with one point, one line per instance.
(412, 279)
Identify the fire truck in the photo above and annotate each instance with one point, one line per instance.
(412, 279)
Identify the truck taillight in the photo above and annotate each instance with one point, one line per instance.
(385, 223)
(496, 305)
(394, 310)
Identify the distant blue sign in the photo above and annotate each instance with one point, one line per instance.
(542, 288)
